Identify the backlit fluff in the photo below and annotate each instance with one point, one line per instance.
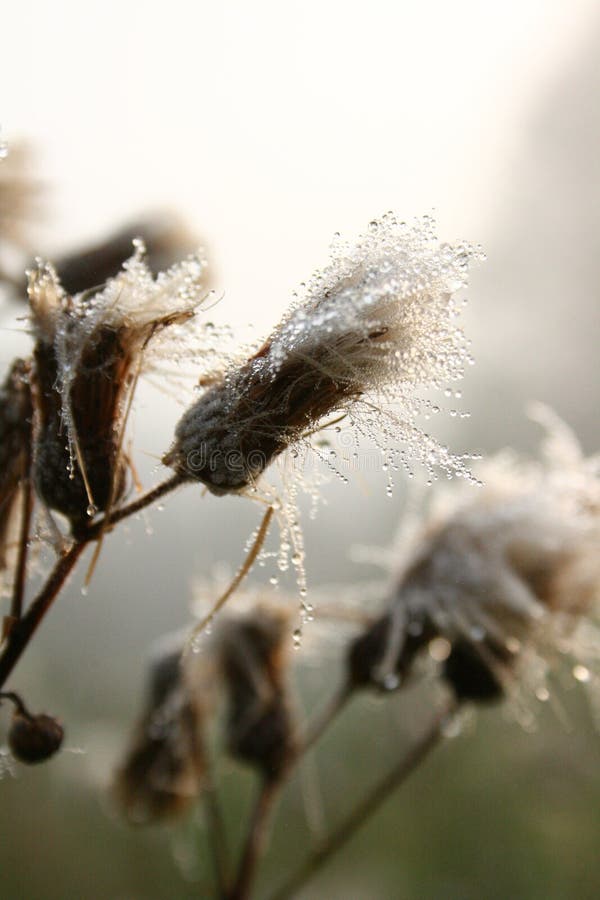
(374, 325)
(509, 578)
(89, 351)
(164, 767)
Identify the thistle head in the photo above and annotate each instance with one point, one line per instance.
(164, 767)
(89, 351)
(374, 325)
(499, 586)
(253, 652)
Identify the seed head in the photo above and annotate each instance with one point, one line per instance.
(500, 585)
(88, 354)
(163, 770)
(34, 739)
(165, 237)
(254, 657)
(369, 329)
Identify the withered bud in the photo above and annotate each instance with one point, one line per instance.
(15, 444)
(254, 657)
(374, 324)
(501, 582)
(87, 358)
(34, 739)
(163, 770)
(166, 238)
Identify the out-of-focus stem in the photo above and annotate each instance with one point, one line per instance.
(269, 793)
(23, 630)
(368, 806)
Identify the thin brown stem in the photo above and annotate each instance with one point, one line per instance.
(165, 487)
(269, 794)
(16, 609)
(17, 702)
(23, 630)
(256, 838)
(323, 721)
(367, 807)
(255, 549)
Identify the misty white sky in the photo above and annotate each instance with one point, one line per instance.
(274, 124)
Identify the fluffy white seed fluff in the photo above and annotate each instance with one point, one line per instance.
(515, 565)
(377, 323)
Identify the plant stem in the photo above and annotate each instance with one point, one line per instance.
(217, 836)
(367, 807)
(269, 793)
(16, 609)
(23, 630)
(164, 487)
(255, 840)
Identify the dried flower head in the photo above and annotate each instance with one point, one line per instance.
(254, 656)
(166, 239)
(501, 584)
(15, 447)
(376, 323)
(88, 355)
(164, 767)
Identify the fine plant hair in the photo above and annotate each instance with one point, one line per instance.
(496, 586)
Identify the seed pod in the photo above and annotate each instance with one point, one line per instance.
(87, 358)
(500, 583)
(254, 658)
(96, 400)
(375, 324)
(34, 739)
(164, 767)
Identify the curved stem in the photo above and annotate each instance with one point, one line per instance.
(23, 630)
(363, 811)
(255, 840)
(269, 793)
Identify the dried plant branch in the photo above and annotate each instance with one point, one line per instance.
(23, 630)
(271, 789)
(368, 806)
(256, 838)
(22, 552)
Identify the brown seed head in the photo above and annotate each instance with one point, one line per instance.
(164, 767)
(254, 657)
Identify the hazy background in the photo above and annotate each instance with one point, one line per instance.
(270, 126)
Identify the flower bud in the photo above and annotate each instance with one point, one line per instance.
(34, 739)
(164, 766)
(254, 657)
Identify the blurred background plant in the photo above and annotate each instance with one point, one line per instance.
(269, 128)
